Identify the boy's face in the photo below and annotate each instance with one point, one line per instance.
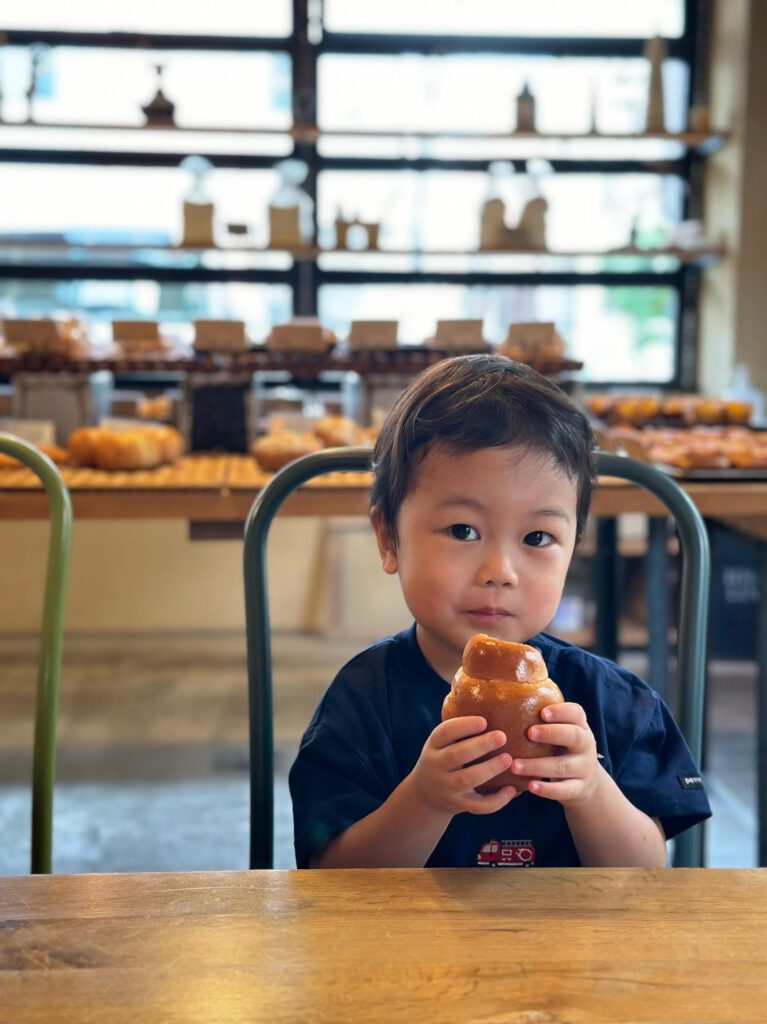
(484, 540)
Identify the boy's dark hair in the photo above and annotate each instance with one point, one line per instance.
(479, 401)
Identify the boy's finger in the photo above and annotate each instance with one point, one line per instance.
(573, 737)
(456, 729)
(546, 767)
(568, 713)
(560, 791)
(476, 774)
(465, 752)
(489, 803)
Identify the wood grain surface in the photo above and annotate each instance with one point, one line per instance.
(511, 946)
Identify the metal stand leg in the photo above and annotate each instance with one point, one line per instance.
(605, 578)
(761, 717)
(656, 590)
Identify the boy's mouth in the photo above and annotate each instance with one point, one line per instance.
(487, 613)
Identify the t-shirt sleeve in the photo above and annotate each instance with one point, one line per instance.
(344, 769)
(659, 776)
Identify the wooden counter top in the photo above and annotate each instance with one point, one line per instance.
(505, 946)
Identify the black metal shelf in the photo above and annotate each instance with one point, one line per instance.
(671, 278)
(144, 40)
(140, 272)
(518, 46)
(352, 43)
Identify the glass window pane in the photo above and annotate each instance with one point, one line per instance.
(473, 93)
(441, 210)
(99, 302)
(500, 17)
(621, 334)
(225, 17)
(106, 86)
(126, 203)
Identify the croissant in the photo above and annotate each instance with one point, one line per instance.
(508, 685)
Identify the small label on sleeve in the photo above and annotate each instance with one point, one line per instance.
(690, 781)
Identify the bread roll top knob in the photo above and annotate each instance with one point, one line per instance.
(484, 657)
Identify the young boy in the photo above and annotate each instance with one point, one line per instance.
(483, 473)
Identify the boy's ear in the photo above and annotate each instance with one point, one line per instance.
(386, 548)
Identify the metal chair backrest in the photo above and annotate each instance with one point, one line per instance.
(692, 624)
(49, 656)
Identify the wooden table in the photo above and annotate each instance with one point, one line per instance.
(497, 947)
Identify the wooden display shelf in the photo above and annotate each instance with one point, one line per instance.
(693, 254)
(221, 488)
(404, 360)
(708, 141)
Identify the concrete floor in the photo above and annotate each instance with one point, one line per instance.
(152, 771)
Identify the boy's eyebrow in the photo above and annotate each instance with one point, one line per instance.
(459, 502)
(554, 513)
(465, 502)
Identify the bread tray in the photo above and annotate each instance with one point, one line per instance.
(712, 473)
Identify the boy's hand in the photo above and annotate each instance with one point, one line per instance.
(575, 772)
(443, 776)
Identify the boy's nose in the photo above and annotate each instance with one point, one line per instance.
(498, 571)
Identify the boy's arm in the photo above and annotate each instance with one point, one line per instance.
(608, 831)
(404, 830)
(401, 833)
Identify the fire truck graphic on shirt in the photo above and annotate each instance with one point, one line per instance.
(506, 853)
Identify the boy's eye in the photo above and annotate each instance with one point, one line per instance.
(462, 531)
(538, 539)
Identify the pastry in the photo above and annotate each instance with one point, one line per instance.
(144, 447)
(339, 432)
(508, 685)
(273, 451)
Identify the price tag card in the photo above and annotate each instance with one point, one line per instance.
(135, 330)
(120, 424)
(219, 334)
(31, 332)
(530, 334)
(34, 431)
(373, 333)
(459, 333)
(297, 336)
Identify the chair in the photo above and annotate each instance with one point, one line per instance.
(688, 848)
(49, 657)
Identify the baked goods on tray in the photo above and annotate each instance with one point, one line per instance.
(57, 455)
(142, 447)
(682, 410)
(692, 447)
(280, 446)
(273, 451)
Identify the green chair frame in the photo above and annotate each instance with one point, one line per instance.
(49, 657)
(693, 618)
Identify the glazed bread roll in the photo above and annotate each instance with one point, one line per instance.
(339, 432)
(273, 451)
(145, 447)
(508, 685)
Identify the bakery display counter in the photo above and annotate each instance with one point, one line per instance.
(221, 487)
(216, 488)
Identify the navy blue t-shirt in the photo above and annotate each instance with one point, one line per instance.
(371, 724)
